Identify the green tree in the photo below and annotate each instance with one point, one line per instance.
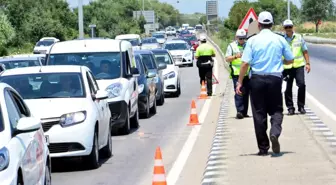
(314, 10)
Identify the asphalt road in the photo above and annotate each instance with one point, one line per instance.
(321, 81)
(133, 155)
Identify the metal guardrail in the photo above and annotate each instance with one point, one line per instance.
(319, 40)
(222, 55)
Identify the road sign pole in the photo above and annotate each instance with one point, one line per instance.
(288, 9)
(80, 19)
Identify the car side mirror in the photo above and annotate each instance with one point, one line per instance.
(151, 75)
(135, 72)
(162, 66)
(101, 95)
(27, 124)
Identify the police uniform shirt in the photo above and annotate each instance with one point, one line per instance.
(303, 42)
(229, 51)
(264, 51)
(204, 50)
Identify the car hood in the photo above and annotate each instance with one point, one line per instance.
(55, 107)
(150, 46)
(179, 52)
(169, 69)
(136, 47)
(103, 84)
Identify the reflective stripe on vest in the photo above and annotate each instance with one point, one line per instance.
(296, 46)
(235, 64)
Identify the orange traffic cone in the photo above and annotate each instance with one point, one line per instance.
(159, 177)
(193, 120)
(203, 94)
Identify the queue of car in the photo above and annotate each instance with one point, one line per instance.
(83, 87)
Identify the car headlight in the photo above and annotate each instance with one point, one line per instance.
(141, 88)
(171, 74)
(72, 118)
(114, 90)
(4, 158)
(156, 79)
(187, 55)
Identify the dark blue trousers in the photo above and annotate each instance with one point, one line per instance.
(242, 101)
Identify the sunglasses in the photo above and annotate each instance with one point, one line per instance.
(242, 38)
(288, 27)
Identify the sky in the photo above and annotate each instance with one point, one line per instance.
(191, 6)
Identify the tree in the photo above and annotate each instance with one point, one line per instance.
(316, 11)
(7, 31)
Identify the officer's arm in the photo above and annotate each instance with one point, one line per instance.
(247, 59)
(213, 53)
(197, 54)
(228, 56)
(305, 51)
(287, 52)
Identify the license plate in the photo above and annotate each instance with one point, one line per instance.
(47, 139)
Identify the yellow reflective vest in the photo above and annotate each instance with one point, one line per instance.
(235, 64)
(296, 46)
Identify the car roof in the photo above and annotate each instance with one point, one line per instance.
(159, 50)
(90, 45)
(21, 57)
(45, 69)
(175, 41)
(128, 36)
(143, 51)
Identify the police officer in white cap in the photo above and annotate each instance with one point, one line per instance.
(263, 53)
(296, 70)
(233, 55)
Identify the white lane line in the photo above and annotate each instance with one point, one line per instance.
(183, 156)
(323, 108)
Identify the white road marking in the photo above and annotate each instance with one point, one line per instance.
(323, 108)
(183, 156)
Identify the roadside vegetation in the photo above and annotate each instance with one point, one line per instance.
(23, 23)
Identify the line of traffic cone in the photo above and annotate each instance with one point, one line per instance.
(193, 119)
(203, 94)
(159, 174)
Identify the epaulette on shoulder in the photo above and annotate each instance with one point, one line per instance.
(251, 36)
(279, 33)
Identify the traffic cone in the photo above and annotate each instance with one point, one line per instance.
(193, 120)
(203, 94)
(159, 177)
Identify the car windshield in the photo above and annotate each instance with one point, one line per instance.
(193, 38)
(134, 42)
(159, 36)
(191, 28)
(199, 27)
(46, 85)
(163, 58)
(148, 61)
(149, 41)
(185, 32)
(18, 63)
(45, 43)
(1, 122)
(139, 64)
(104, 65)
(176, 46)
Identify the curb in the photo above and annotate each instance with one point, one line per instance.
(319, 40)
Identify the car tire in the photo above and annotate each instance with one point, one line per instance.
(147, 113)
(107, 150)
(93, 158)
(153, 109)
(161, 101)
(191, 65)
(47, 179)
(135, 119)
(178, 91)
(126, 129)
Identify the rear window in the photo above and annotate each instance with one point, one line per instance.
(11, 64)
(148, 61)
(139, 64)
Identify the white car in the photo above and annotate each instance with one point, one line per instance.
(44, 44)
(161, 38)
(181, 52)
(171, 75)
(134, 39)
(24, 154)
(192, 30)
(112, 63)
(75, 117)
(171, 31)
(18, 61)
(150, 43)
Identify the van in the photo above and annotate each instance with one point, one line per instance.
(134, 39)
(112, 66)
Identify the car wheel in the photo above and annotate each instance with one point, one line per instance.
(107, 150)
(161, 100)
(93, 158)
(178, 91)
(47, 179)
(135, 120)
(126, 129)
(153, 109)
(147, 113)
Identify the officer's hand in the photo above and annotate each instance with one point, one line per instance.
(238, 91)
(308, 68)
(238, 55)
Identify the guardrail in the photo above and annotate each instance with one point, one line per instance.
(319, 40)
(222, 55)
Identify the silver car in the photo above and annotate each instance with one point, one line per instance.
(19, 61)
(150, 43)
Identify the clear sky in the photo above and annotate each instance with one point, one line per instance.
(191, 6)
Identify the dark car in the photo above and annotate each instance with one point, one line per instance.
(184, 32)
(153, 67)
(192, 39)
(147, 87)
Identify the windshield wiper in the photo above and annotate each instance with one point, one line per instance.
(50, 97)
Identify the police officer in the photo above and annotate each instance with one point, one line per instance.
(263, 53)
(233, 55)
(296, 70)
(204, 54)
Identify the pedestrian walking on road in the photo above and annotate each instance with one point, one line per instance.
(204, 54)
(263, 53)
(296, 70)
(233, 55)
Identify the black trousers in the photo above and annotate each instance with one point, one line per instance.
(266, 98)
(205, 74)
(242, 101)
(299, 76)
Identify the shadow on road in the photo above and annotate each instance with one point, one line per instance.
(269, 154)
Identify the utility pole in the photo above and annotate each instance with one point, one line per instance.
(80, 19)
(143, 6)
(288, 9)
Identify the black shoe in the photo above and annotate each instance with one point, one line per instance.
(209, 94)
(275, 144)
(239, 116)
(246, 116)
(302, 110)
(291, 112)
(262, 153)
